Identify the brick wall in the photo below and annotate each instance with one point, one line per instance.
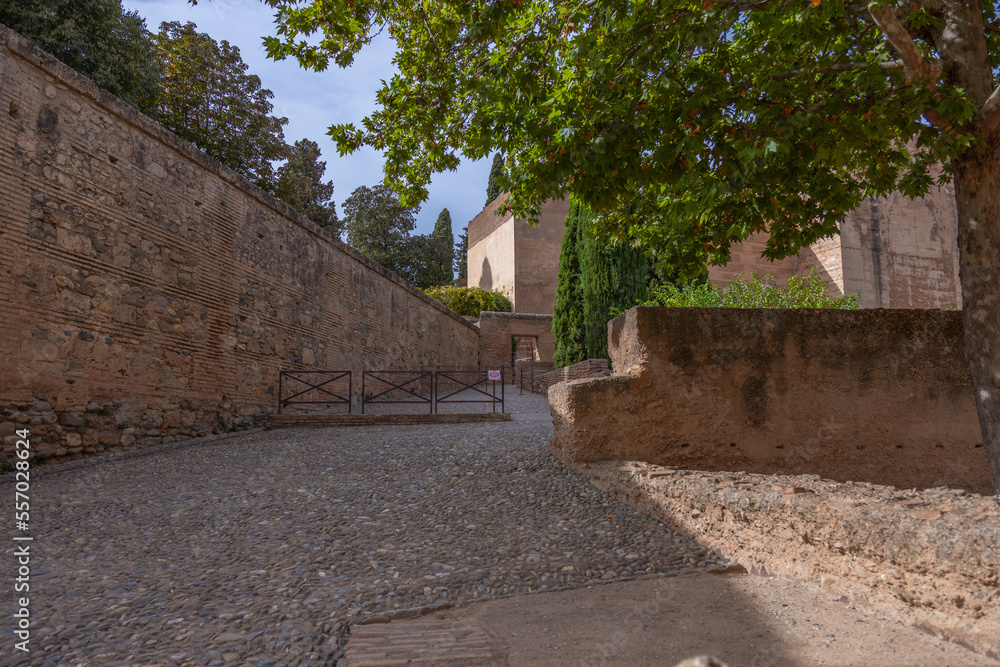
(497, 329)
(149, 294)
(880, 396)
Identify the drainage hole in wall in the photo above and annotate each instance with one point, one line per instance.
(779, 446)
(732, 444)
(685, 445)
(113, 159)
(14, 110)
(899, 446)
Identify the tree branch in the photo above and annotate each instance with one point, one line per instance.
(839, 67)
(915, 66)
(989, 115)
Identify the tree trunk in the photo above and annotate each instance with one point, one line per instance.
(977, 193)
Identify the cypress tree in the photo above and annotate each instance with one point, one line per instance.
(612, 277)
(442, 234)
(567, 318)
(462, 254)
(496, 173)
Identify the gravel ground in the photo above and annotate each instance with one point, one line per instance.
(261, 548)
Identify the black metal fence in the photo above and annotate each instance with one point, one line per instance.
(321, 388)
(472, 386)
(397, 387)
(433, 388)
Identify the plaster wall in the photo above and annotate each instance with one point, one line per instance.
(149, 294)
(492, 263)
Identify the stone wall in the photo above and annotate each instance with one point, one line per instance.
(497, 329)
(881, 396)
(150, 294)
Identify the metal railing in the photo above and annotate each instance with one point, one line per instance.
(321, 386)
(410, 386)
(460, 385)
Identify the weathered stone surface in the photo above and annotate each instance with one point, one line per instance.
(925, 558)
(876, 395)
(152, 285)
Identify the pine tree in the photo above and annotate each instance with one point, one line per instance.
(301, 186)
(462, 254)
(443, 235)
(612, 277)
(496, 173)
(567, 318)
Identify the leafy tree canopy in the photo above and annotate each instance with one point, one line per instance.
(300, 185)
(379, 226)
(96, 38)
(208, 99)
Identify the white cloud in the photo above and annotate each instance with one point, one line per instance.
(313, 101)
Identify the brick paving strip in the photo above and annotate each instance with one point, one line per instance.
(266, 548)
(437, 642)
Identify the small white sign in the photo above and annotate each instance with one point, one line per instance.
(493, 375)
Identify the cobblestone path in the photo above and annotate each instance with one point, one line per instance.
(262, 548)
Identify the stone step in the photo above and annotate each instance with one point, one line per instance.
(324, 421)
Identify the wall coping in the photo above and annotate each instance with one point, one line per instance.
(64, 74)
(540, 317)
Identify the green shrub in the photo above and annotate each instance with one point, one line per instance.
(470, 300)
(757, 292)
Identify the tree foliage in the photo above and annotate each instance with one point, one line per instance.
(96, 38)
(567, 318)
(613, 276)
(380, 227)
(444, 235)
(494, 186)
(300, 185)
(470, 300)
(209, 99)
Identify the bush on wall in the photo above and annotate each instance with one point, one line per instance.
(470, 300)
(757, 292)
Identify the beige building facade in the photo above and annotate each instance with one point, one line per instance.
(510, 255)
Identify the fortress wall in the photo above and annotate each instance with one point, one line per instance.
(149, 294)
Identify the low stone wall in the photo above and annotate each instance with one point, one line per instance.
(925, 558)
(149, 294)
(497, 329)
(876, 395)
(539, 382)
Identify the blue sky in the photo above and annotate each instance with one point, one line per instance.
(313, 101)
